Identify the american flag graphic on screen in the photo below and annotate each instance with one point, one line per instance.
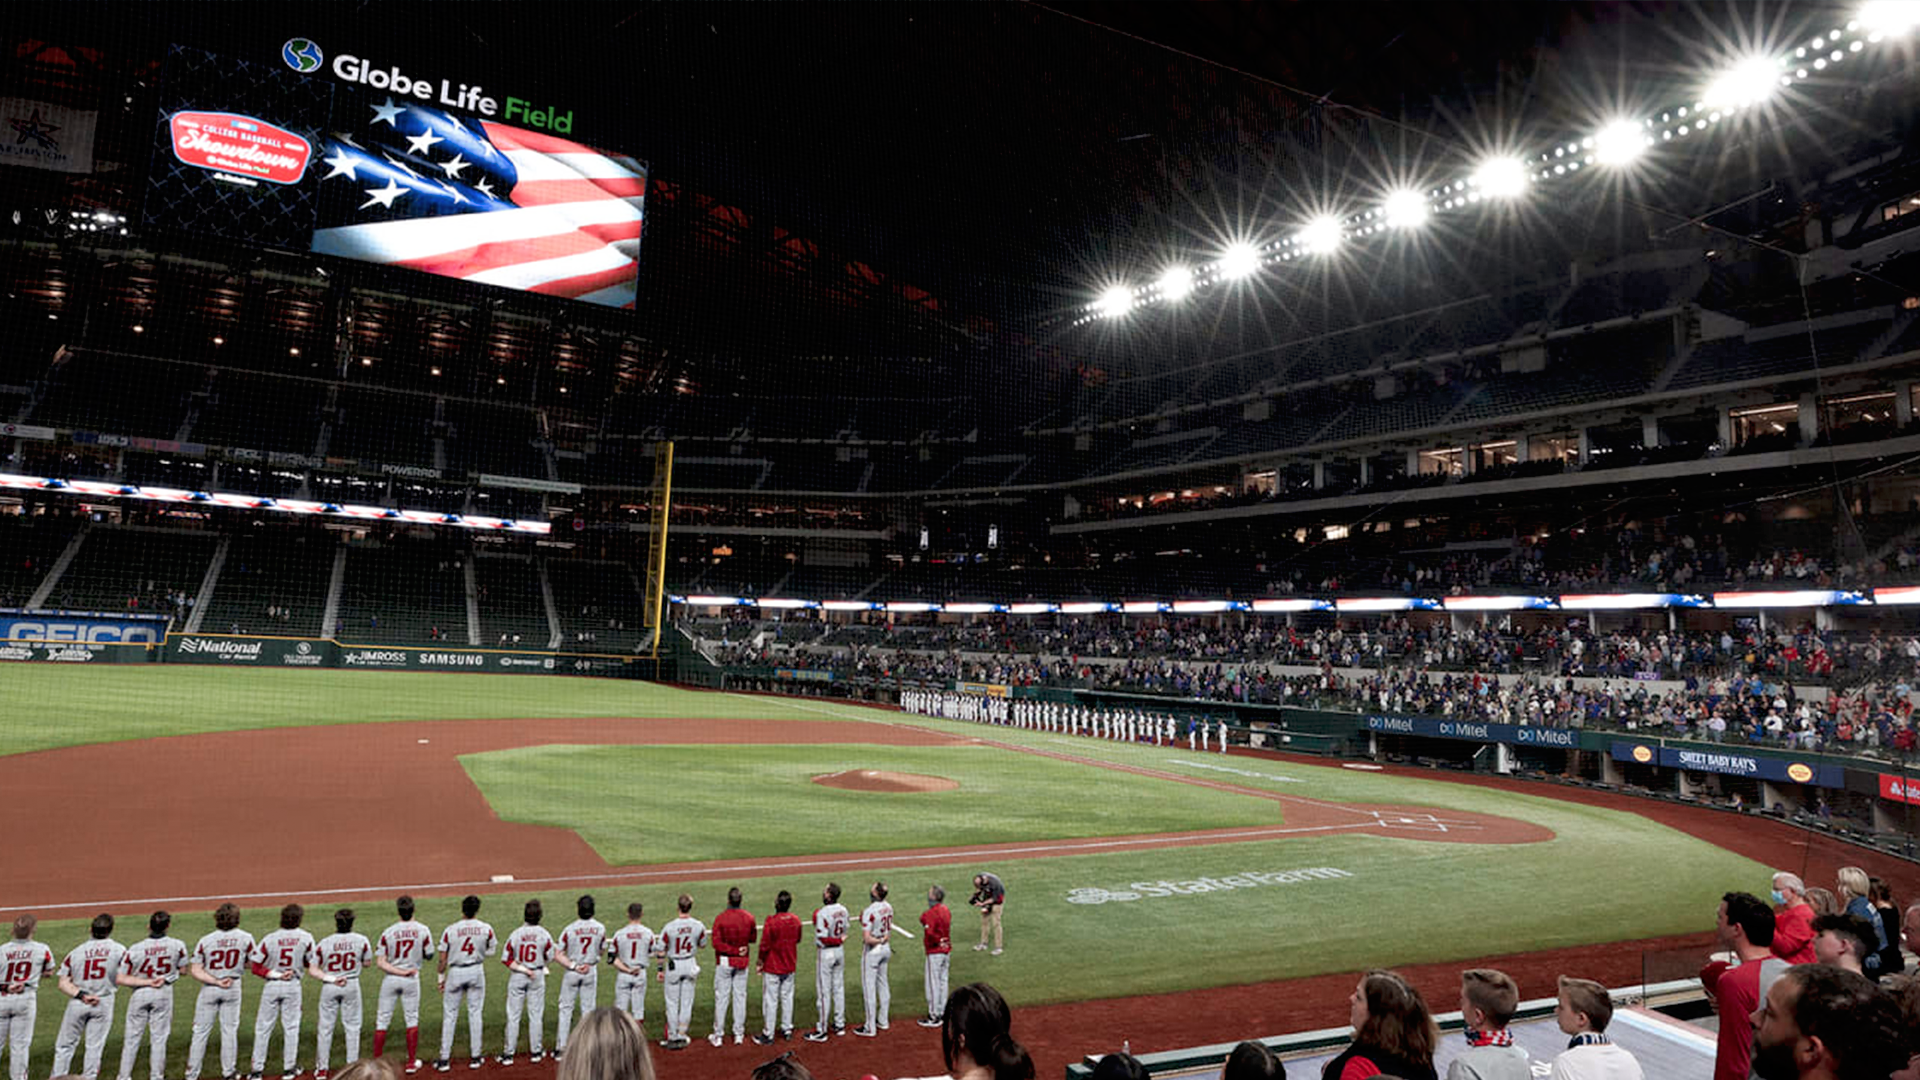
(480, 201)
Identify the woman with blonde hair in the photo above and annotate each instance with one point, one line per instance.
(1822, 901)
(1853, 885)
(368, 1069)
(608, 1045)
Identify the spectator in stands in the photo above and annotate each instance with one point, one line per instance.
(1906, 993)
(1393, 1033)
(1583, 1013)
(1852, 884)
(1253, 1061)
(1488, 1000)
(369, 1069)
(784, 1067)
(1910, 928)
(1843, 941)
(1793, 923)
(976, 1038)
(1822, 902)
(1887, 912)
(608, 1045)
(1745, 926)
(1822, 1023)
(1119, 1067)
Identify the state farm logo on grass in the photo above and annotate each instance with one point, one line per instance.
(1245, 879)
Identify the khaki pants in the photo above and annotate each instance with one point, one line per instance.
(990, 924)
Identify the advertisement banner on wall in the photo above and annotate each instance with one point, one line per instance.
(1899, 788)
(83, 627)
(1731, 763)
(225, 650)
(70, 653)
(1474, 731)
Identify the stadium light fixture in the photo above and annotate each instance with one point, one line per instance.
(1177, 282)
(1322, 236)
(1115, 301)
(1502, 178)
(1890, 17)
(1406, 209)
(1749, 82)
(1619, 143)
(1239, 261)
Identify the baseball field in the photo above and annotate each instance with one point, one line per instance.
(1131, 870)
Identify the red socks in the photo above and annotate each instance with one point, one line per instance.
(413, 1044)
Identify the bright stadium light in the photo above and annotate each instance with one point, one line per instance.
(1749, 82)
(1619, 143)
(1176, 282)
(1115, 300)
(1322, 235)
(1502, 178)
(1406, 209)
(1239, 261)
(1890, 17)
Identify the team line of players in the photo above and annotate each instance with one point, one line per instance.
(92, 973)
(1125, 725)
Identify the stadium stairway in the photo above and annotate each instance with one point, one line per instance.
(58, 570)
(204, 595)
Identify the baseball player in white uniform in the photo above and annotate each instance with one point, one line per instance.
(830, 922)
(680, 942)
(280, 957)
(631, 950)
(23, 962)
(582, 944)
(219, 960)
(529, 950)
(403, 949)
(337, 962)
(150, 1009)
(89, 976)
(876, 934)
(464, 948)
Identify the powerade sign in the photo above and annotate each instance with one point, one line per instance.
(83, 629)
(1473, 731)
(1729, 763)
(305, 56)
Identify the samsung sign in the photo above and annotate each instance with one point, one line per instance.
(1474, 731)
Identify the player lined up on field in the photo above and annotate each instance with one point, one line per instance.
(283, 959)
(1122, 724)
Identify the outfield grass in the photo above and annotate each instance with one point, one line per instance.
(762, 801)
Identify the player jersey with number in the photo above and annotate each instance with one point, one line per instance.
(468, 941)
(632, 945)
(682, 938)
(583, 941)
(530, 947)
(284, 950)
(877, 920)
(223, 953)
(407, 944)
(23, 962)
(157, 958)
(830, 925)
(343, 954)
(91, 966)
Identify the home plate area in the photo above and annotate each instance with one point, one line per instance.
(1418, 821)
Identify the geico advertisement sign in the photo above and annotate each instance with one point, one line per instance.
(245, 652)
(88, 632)
(79, 654)
(1245, 879)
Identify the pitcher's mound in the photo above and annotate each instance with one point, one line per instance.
(881, 780)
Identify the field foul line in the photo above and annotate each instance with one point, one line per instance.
(747, 869)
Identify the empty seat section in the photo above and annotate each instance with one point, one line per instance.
(599, 604)
(510, 603)
(379, 425)
(130, 569)
(119, 396)
(399, 593)
(28, 549)
(261, 412)
(494, 439)
(273, 582)
(1737, 359)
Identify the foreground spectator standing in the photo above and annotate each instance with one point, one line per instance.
(1253, 1061)
(1793, 923)
(1393, 1033)
(1584, 1011)
(1844, 941)
(1488, 1000)
(1887, 914)
(976, 1039)
(1853, 885)
(1822, 1023)
(608, 1045)
(1745, 927)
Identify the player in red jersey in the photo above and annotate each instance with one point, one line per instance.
(779, 949)
(733, 931)
(937, 924)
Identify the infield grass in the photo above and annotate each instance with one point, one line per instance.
(762, 800)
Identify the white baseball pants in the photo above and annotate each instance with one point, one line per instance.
(681, 975)
(280, 1001)
(338, 1005)
(776, 1001)
(91, 1021)
(729, 985)
(224, 1006)
(576, 988)
(876, 996)
(149, 1013)
(830, 987)
(528, 992)
(17, 1014)
(468, 984)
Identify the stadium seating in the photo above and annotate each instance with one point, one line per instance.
(270, 568)
(28, 548)
(401, 592)
(1737, 359)
(600, 606)
(121, 568)
(95, 392)
(511, 606)
(493, 439)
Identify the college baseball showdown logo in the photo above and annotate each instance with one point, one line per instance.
(1245, 879)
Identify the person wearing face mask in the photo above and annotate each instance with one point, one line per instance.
(1793, 922)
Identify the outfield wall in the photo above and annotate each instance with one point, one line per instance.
(248, 651)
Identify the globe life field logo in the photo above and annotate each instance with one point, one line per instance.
(302, 55)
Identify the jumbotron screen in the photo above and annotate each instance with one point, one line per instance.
(270, 154)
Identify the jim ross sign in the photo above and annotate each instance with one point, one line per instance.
(1474, 731)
